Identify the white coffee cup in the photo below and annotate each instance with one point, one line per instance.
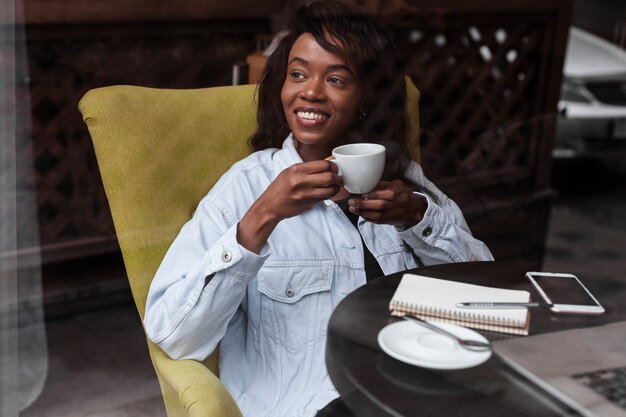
(360, 165)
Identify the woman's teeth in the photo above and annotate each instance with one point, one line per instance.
(311, 116)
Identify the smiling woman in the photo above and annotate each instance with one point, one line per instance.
(278, 242)
(357, 58)
(320, 98)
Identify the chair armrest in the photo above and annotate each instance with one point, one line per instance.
(197, 390)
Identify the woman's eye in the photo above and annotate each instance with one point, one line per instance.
(297, 75)
(335, 80)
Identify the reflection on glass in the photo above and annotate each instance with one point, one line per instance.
(23, 350)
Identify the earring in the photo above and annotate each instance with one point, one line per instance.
(361, 115)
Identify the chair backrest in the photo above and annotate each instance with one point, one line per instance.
(159, 152)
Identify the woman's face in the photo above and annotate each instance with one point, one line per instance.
(320, 98)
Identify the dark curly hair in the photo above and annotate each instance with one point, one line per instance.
(368, 46)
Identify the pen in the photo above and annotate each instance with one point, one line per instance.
(480, 304)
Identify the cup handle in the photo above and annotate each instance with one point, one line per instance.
(334, 161)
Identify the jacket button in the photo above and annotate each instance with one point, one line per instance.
(290, 292)
(427, 231)
(227, 256)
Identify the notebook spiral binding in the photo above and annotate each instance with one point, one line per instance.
(452, 316)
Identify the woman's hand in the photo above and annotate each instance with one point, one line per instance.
(294, 191)
(300, 187)
(390, 203)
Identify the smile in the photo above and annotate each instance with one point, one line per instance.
(311, 115)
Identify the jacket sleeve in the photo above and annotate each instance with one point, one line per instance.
(443, 234)
(199, 285)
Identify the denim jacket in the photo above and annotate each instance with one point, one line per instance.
(270, 311)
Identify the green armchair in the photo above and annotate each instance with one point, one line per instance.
(159, 151)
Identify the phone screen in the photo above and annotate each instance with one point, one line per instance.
(564, 290)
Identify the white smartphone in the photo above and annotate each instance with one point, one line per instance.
(565, 292)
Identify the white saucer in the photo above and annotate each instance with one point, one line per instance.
(417, 345)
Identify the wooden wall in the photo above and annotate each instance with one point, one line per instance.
(76, 45)
(489, 73)
(109, 11)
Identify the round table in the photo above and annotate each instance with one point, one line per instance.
(372, 383)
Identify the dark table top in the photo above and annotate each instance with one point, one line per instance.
(374, 384)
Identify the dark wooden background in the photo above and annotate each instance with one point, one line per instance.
(74, 46)
(489, 73)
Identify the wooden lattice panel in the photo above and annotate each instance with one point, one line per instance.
(489, 74)
(473, 78)
(66, 62)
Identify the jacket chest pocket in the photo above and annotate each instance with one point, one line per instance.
(295, 304)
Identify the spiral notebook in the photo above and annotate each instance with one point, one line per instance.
(435, 299)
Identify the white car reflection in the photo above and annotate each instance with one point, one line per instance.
(592, 107)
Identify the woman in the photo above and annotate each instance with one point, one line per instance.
(277, 242)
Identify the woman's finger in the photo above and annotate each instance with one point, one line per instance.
(370, 204)
(374, 193)
(325, 179)
(388, 190)
(300, 182)
(324, 192)
(314, 167)
(393, 216)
